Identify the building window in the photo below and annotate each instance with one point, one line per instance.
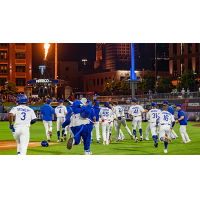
(90, 82)
(174, 49)
(182, 66)
(106, 79)
(197, 65)
(3, 68)
(189, 63)
(3, 55)
(189, 47)
(20, 68)
(93, 82)
(197, 47)
(182, 48)
(20, 44)
(101, 81)
(20, 82)
(67, 69)
(2, 81)
(175, 67)
(3, 44)
(97, 81)
(20, 55)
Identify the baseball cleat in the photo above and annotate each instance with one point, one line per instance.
(88, 152)
(61, 139)
(165, 150)
(146, 139)
(116, 140)
(188, 141)
(104, 142)
(65, 138)
(136, 139)
(50, 133)
(70, 143)
(132, 137)
(48, 140)
(141, 138)
(58, 140)
(156, 145)
(98, 141)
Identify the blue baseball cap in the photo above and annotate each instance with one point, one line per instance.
(88, 101)
(96, 102)
(134, 100)
(153, 104)
(49, 101)
(106, 104)
(179, 105)
(61, 101)
(109, 107)
(165, 102)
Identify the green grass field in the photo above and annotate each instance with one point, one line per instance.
(125, 147)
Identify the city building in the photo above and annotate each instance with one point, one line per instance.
(183, 56)
(16, 64)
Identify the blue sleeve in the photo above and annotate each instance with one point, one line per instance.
(173, 124)
(172, 111)
(181, 114)
(53, 111)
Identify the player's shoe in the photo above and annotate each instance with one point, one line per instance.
(88, 152)
(70, 143)
(98, 141)
(65, 138)
(61, 139)
(132, 137)
(146, 139)
(107, 143)
(50, 133)
(188, 141)
(48, 140)
(58, 140)
(104, 142)
(123, 137)
(111, 138)
(141, 138)
(136, 139)
(165, 150)
(156, 145)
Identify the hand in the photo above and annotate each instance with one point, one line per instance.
(115, 119)
(131, 116)
(176, 121)
(11, 126)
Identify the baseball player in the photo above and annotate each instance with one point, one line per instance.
(167, 122)
(152, 116)
(148, 127)
(172, 134)
(24, 117)
(60, 111)
(119, 112)
(69, 112)
(183, 123)
(105, 115)
(47, 112)
(96, 123)
(135, 111)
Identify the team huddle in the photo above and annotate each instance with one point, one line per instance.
(79, 118)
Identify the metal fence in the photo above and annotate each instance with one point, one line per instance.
(158, 96)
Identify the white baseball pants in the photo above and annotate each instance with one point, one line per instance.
(48, 127)
(183, 133)
(70, 131)
(22, 136)
(120, 131)
(153, 128)
(60, 121)
(105, 131)
(96, 125)
(137, 121)
(164, 129)
(147, 131)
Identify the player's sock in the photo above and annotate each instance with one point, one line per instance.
(18, 153)
(58, 134)
(154, 139)
(134, 133)
(63, 131)
(166, 144)
(140, 130)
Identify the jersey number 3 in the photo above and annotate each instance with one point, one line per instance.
(24, 116)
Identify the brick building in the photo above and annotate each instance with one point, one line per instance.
(16, 64)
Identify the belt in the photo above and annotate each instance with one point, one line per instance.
(165, 124)
(60, 117)
(137, 116)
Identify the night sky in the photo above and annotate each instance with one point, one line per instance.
(66, 52)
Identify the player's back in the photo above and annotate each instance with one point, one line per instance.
(153, 115)
(166, 117)
(105, 113)
(119, 111)
(60, 111)
(23, 115)
(47, 112)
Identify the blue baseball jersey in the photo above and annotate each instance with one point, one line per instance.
(96, 111)
(69, 112)
(92, 114)
(47, 112)
(184, 120)
(170, 109)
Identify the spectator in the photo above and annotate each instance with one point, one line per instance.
(183, 92)
(188, 92)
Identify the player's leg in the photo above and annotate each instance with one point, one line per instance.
(147, 131)
(162, 134)
(70, 132)
(65, 135)
(181, 130)
(139, 124)
(154, 134)
(87, 141)
(110, 131)
(16, 136)
(77, 138)
(175, 136)
(126, 127)
(24, 140)
(167, 131)
(58, 129)
(96, 125)
(50, 128)
(121, 135)
(134, 123)
(185, 134)
(103, 125)
(117, 127)
(107, 133)
(46, 130)
(62, 120)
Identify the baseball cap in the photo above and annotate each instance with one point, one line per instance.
(134, 100)
(61, 101)
(165, 102)
(96, 102)
(179, 105)
(109, 107)
(106, 104)
(49, 101)
(153, 104)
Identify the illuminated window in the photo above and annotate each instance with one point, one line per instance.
(3, 68)
(20, 81)
(182, 48)
(20, 55)
(3, 55)
(20, 68)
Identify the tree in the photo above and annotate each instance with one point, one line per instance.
(165, 83)
(11, 88)
(148, 81)
(186, 80)
(124, 86)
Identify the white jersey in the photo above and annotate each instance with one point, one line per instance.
(105, 113)
(23, 116)
(119, 111)
(153, 115)
(136, 110)
(77, 120)
(166, 117)
(112, 117)
(60, 111)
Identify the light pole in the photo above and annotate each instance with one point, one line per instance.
(194, 73)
